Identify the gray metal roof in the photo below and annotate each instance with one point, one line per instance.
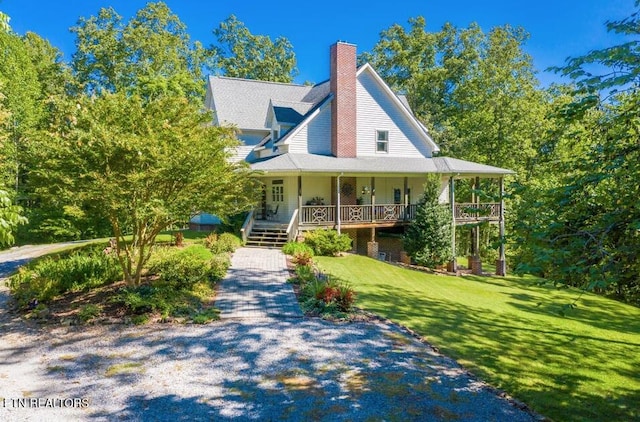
(245, 102)
(312, 163)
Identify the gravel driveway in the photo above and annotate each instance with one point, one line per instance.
(256, 369)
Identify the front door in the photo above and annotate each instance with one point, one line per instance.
(277, 200)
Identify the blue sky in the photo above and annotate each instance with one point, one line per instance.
(558, 28)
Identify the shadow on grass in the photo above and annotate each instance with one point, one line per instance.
(555, 370)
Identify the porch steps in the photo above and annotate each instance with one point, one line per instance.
(267, 235)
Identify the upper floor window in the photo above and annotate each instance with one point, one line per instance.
(382, 141)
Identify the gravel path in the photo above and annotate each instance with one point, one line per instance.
(242, 369)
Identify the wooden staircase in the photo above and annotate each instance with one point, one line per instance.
(267, 235)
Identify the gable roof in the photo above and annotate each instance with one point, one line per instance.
(246, 103)
(401, 103)
(310, 163)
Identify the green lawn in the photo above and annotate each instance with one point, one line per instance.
(584, 366)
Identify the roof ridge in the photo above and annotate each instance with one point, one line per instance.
(260, 81)
(272, 99)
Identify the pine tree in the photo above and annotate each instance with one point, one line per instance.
(428, 238)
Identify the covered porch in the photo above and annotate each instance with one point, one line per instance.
(350, 200)
(313, 191)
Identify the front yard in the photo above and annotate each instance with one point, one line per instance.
(509, 332)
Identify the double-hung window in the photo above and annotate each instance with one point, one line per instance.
(382, 141)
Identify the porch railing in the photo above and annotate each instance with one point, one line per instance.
(354, 214)
(247, 226)
(318, 214)
(477, 212)
(292, 228)
(391, 213)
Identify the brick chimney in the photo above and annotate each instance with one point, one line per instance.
(343, 106)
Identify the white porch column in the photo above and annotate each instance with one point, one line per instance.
(338, 202)
(373, 199)
(406, 198)
(453, 265)
(299, 199)
(501, 263)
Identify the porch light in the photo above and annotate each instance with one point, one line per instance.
(365, 190)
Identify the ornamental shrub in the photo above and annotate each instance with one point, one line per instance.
(53, 276)
(303, 258)
(223, 243)
(327, 242)
(291, 248)
(183, 268)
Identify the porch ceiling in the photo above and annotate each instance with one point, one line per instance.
(309, 163)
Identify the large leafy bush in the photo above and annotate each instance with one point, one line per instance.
(183, 268)
(327, 242)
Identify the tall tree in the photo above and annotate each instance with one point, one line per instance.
(151, 54)
(143, 165)
(477, 92)
(25, 99)
(10, 214)
(587, 232)
(34, 78)
(4, 22)
(134, 146)
(241, 54)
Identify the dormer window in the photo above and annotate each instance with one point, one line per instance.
(382, 141)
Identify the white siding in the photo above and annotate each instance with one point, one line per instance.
(313, 186)
(376, 111)
(315, 137)
(385, 189)
(361, 182)
(416, 184)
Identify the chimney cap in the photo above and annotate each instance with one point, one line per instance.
(345, 43)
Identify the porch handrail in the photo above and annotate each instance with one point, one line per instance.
(391, 213)
(247, 226)
(325, 214)
(483, 210)
(292, 228)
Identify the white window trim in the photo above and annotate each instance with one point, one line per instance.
(377, 140)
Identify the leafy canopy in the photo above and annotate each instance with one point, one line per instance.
(239, 53)
(143, 165)
(584, 229)
(151, 54)
(134, 146)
